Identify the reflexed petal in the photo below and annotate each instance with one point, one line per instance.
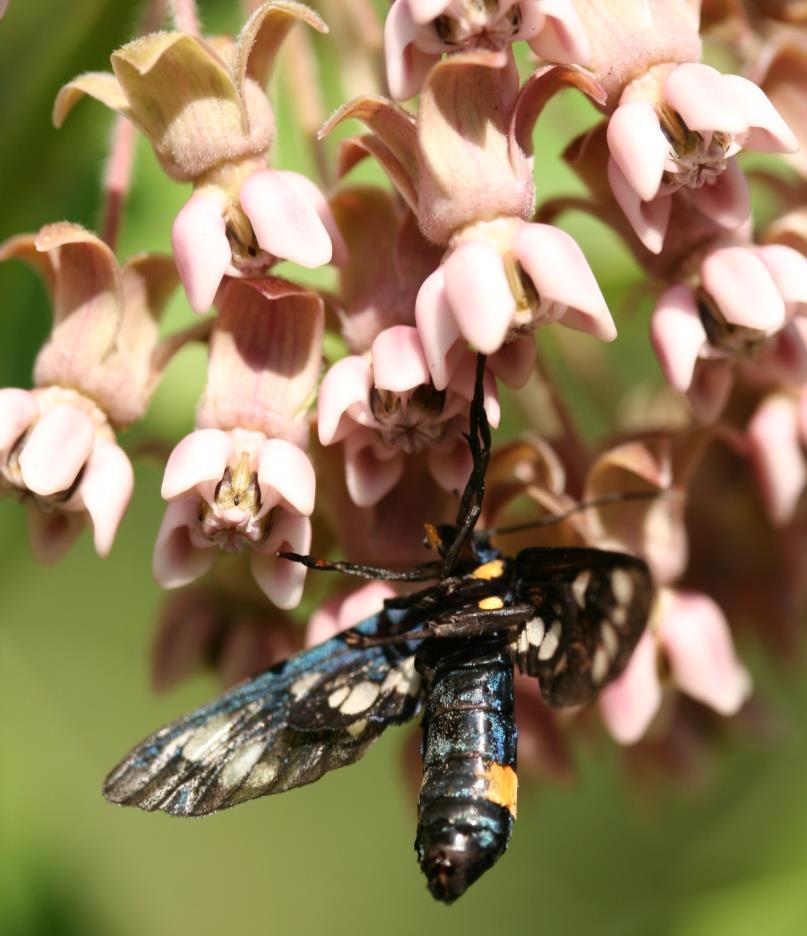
(399, 363)
(308, 190)
(347, 383)
(697, 640)
(437, 328)
(464, 380)
(704, 99)
(51, 533)
(649, 220)
(710, 390)
(201, 249)
(739, 282)
(629, 704)
(788, 268)
(561, 274)
(106, 489)
(777, 456)
(768, 131)
(344, 611)
(726, 201)
(479, 295)
(198, 460)
(284, 219)
(176, 561)
(451, 468)
(288, 470)
(369, 478)
(563, 37)
(677, 335)
(18, 409)
(514, 362)
(638, 146)
(56, 450)
(423, 11)
(279, 579)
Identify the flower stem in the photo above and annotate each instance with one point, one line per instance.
(117, 178)
(186, 16)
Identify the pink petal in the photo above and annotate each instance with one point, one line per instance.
(514, 362)
(399, 363)
(638, 146)
(629, 704)
(561, 274)
(788, 268)
(424, 11)
(176, 561)
(18, 409)
(368, 477)
(777, 456)
(677, 335)
(52, 532)
(649, 220)
(739, 282)
(198, 461)
(704, 99)
(437, 329)
(563, 38)
(726, 201)
(479, 295)
(450, 468)
(710, 390)
(284, 218)
(697, 640)
(407, 66)
(312, 193)
(343, 611)
(279, 579)
(464, 380)
(769, 133)
(56, 450)
(347, 383)
(106, 489)
(288, 470)
(201, 249)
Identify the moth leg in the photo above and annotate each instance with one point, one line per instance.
(419, 573)
(475, 621)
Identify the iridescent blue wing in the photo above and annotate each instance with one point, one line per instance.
(591, 607)
(288, 726)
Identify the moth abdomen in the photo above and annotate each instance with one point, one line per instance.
(467, 800)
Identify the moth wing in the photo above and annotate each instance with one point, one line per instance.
(591, 609)
(288, 726)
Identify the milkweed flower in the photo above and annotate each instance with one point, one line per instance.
(94, 375)
(464, 167)
(202, 105)
(241, 482)
(418, 32)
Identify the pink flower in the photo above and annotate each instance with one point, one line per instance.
(203, 107)
(692, 636)
(751, 300)
(418, 32)
(384, 407)
(777, 439)
(679, 127)
(242, 482)
(465, 170)
(94, 374)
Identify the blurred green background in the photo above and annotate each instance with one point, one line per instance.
(727, 857)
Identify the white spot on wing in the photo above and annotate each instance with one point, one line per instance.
(535, 630)
(622, 586)
(609, 639)
(580, 586)
(338, 696)
(206, 738)
(599, 666)
(305, 682)
(357, 728)
(361, 697)
(241, 763)
(550, 643)
(263, 774)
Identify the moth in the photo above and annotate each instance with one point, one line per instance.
(570, 617)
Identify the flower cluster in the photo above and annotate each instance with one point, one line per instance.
(461, 254)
